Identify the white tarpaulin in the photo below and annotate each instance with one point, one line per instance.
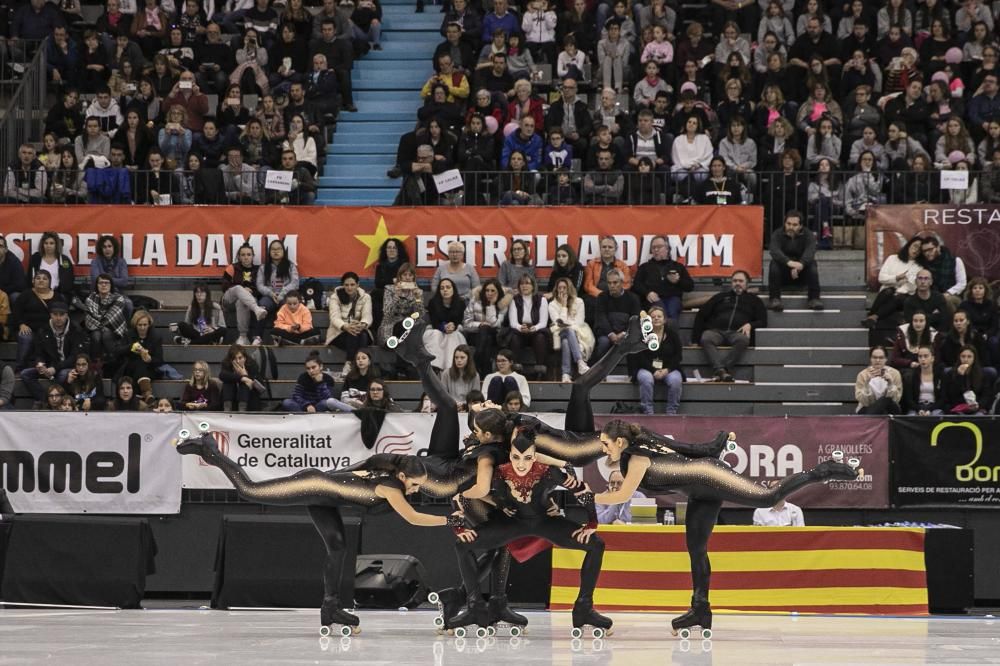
(56, 462)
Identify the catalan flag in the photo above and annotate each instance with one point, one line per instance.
(849, 570)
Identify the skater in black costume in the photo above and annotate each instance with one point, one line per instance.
(382, 480)
(708, 482)
(521, 489)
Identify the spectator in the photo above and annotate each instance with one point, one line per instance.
(981, 308)
(92, 143)
(572, 62)
(402, 299)
(820, 105)
(661, 281)
(911, 108)
(647, 142)
(26, 180)
(260, 151)
(272, 119)
(67, 185)
(462, 275)
(461, 378)
(868, 142)
(878, 388)
(187, 94)
(301, 143)
(322, 88)
(739, 151)
(105, 320)
(517, 265)
(595, 281)
(960, 335)
(54, 397)
(289, 59)
(251, 59)
(525, 141)
(339, 58)
(62, 58)
(782, 514)
(32, 21)
(239, 285)
(158, 185)
(921, 185)
(378, 398)
(662, 365)
(65, 119)
(50, 257)
(614, 118)
(825, 196)
(175, 138)
(392, 254)
(570, 115)
(570, 333)
(499, 19)
(984, 106)
(909, 338)
(691, 154)
(484, 318)
(613, 54)
(779, 140)
(817, 41)
(955, 138)
(566, 266)
(605, 186)
(242, 387)
(466, 18)
(418, 186)
(463, 57)
(210, 144)
(136, 139)
(614, 308)
(729, 318)
(277, 278)
(453, 80)
(793, 260)
(901, 149)
(947, 270)
(966, 387)
(359, 372)
(294, 324)
(30, 314)
(923, 389)
(12, 278)
(898, 279)
(54, 347)
(125, 399)
(85, 386)
(823, 143)
(242, 182)
(203, 322)
(617, 514)
(644, 187)
(350, 316)
(94, 64)
(603, 140)
(443, 334)
(862, 189)
(505, 380)
(528, 317)
(140, 354)
(201, 391)
(149, 27)
(646, 88)
(718, 189)
(314, 390)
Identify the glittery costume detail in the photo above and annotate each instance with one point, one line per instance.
(522, 487)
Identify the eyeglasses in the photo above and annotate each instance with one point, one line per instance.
(376, 389)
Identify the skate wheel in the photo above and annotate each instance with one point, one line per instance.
(392, 342)
(685, 634)
(853, 463)
(731, 446)
(597, 632)
(433, 597)
(439, 622)
(647, 326)
(576, 633)
(482, 632)
(203, 426)
(408, 323)
(653, 345)
(324, 631)
(183, 433)
(345, 630)
(460, 632)
(491, 631)
(837, 456)
(706, 634)
(515, 632)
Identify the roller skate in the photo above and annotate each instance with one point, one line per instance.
(501, 614)
(699, 615)
(410, 345)
(635, 337)
(853, 463)
(408, 324)
(199, 443)
(448, 601)
(584, 615)
(646, 327)
(332, 615)
(475, 613)
(835, 469)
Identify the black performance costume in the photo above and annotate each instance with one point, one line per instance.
(708, 482)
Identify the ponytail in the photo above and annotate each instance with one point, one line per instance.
(618, 428)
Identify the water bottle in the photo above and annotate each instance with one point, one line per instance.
(668, 517)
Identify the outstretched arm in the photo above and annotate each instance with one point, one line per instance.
(398, 502)
(484, 479)
(636, 470)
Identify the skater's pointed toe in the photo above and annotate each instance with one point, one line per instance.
(830, 470)
(202, 445)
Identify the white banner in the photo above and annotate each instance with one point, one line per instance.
(98, 462)
(269, 447)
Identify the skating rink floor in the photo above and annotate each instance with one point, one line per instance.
(192, 636)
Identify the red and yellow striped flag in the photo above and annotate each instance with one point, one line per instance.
(853, 570)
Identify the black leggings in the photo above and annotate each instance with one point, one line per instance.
(887, 303)
(502, 530)
(191, 333)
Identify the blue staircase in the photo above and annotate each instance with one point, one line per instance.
(387, 93)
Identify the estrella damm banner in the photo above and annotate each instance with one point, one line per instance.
(945, 461)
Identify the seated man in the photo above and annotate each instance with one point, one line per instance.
(728, 318)
(614, 308)
(53, 350)
(604, 186)
(616, 514)
(947, 269)
(782, 514)
(929, 300)
(322, 87)
(793, 261)
(418, 188)
(25, 181)
(662, 281)
(241, 180)
(111, 185)
(303, 192)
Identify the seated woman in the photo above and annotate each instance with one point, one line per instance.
(909, 337)
(570, 333)
(401, 299)
(528, 317)
(30, 313)
(662, 365)
(898, 279)
(484, 317)
(140, 354)
(110, 262)
(378, 398)
(358, 375)
(923, 389)
(350, 316)
(50, 257)
(445, 312)
(105, 320)
(201, 392)
(314, 390)
(878, 388)
(239, 292)
(517, 265)
(276, 278)
(981, 308)
(125, 399)
(961, 335)
(966, 390)
(203, 322)
(242, 387)
(85, 386)
(54, 396)
(461, 377)
(497, 385)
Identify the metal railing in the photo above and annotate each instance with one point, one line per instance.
(22, 91)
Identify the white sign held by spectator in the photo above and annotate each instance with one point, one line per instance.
(278, 180)
(448, 181)
(955, 180)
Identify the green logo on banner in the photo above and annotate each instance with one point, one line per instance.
(967, 472)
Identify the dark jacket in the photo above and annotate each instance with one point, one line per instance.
(235, 274)
(785, 248)
(728, 312)
(935, 307)
(613, 313)
(949, 347)
(955, 385)
(645, 189)
(911, 390)
(44, 348)
(574, 273)
(557, 112)
(982, 316)
(711, 193)
(29, 310)
(439, 314)
(669, 354)
(64, 122)
(12, 278)
(309, 392)
(652, 276)
(65, 274)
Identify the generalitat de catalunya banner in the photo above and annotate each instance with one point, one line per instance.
(326, 242)
(945, 462)
(272, 446)
(971, 232)
(771, 448)
(90, 463)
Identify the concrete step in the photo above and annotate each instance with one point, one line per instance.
(387, 83)
(375, 113)
(816, 337)
(359, 122)
(361, 161)
(359, 170)
(350, 198)
(409, 96)
(373, 137)
(802, 408)
(358, 181)
(348, 148)
(797, 372)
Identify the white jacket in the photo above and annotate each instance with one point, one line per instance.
(539, 27)
(584, 335)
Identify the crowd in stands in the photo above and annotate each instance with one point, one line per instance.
(815, 105)
(188, 101)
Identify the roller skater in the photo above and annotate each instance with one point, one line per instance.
(584, 615)
(708, 482)
(393, 341)
(381, 479)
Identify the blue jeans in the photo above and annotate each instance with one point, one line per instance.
(167, 371)
(32, 381)
(24, 341)
(672, 379)
(373, 36)
(671, 305)
(329, 405)
(570, 347)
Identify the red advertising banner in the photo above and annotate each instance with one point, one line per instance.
(325, 242)
(774, 447)
(971, 232)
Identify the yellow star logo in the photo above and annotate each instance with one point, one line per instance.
(374, 241)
